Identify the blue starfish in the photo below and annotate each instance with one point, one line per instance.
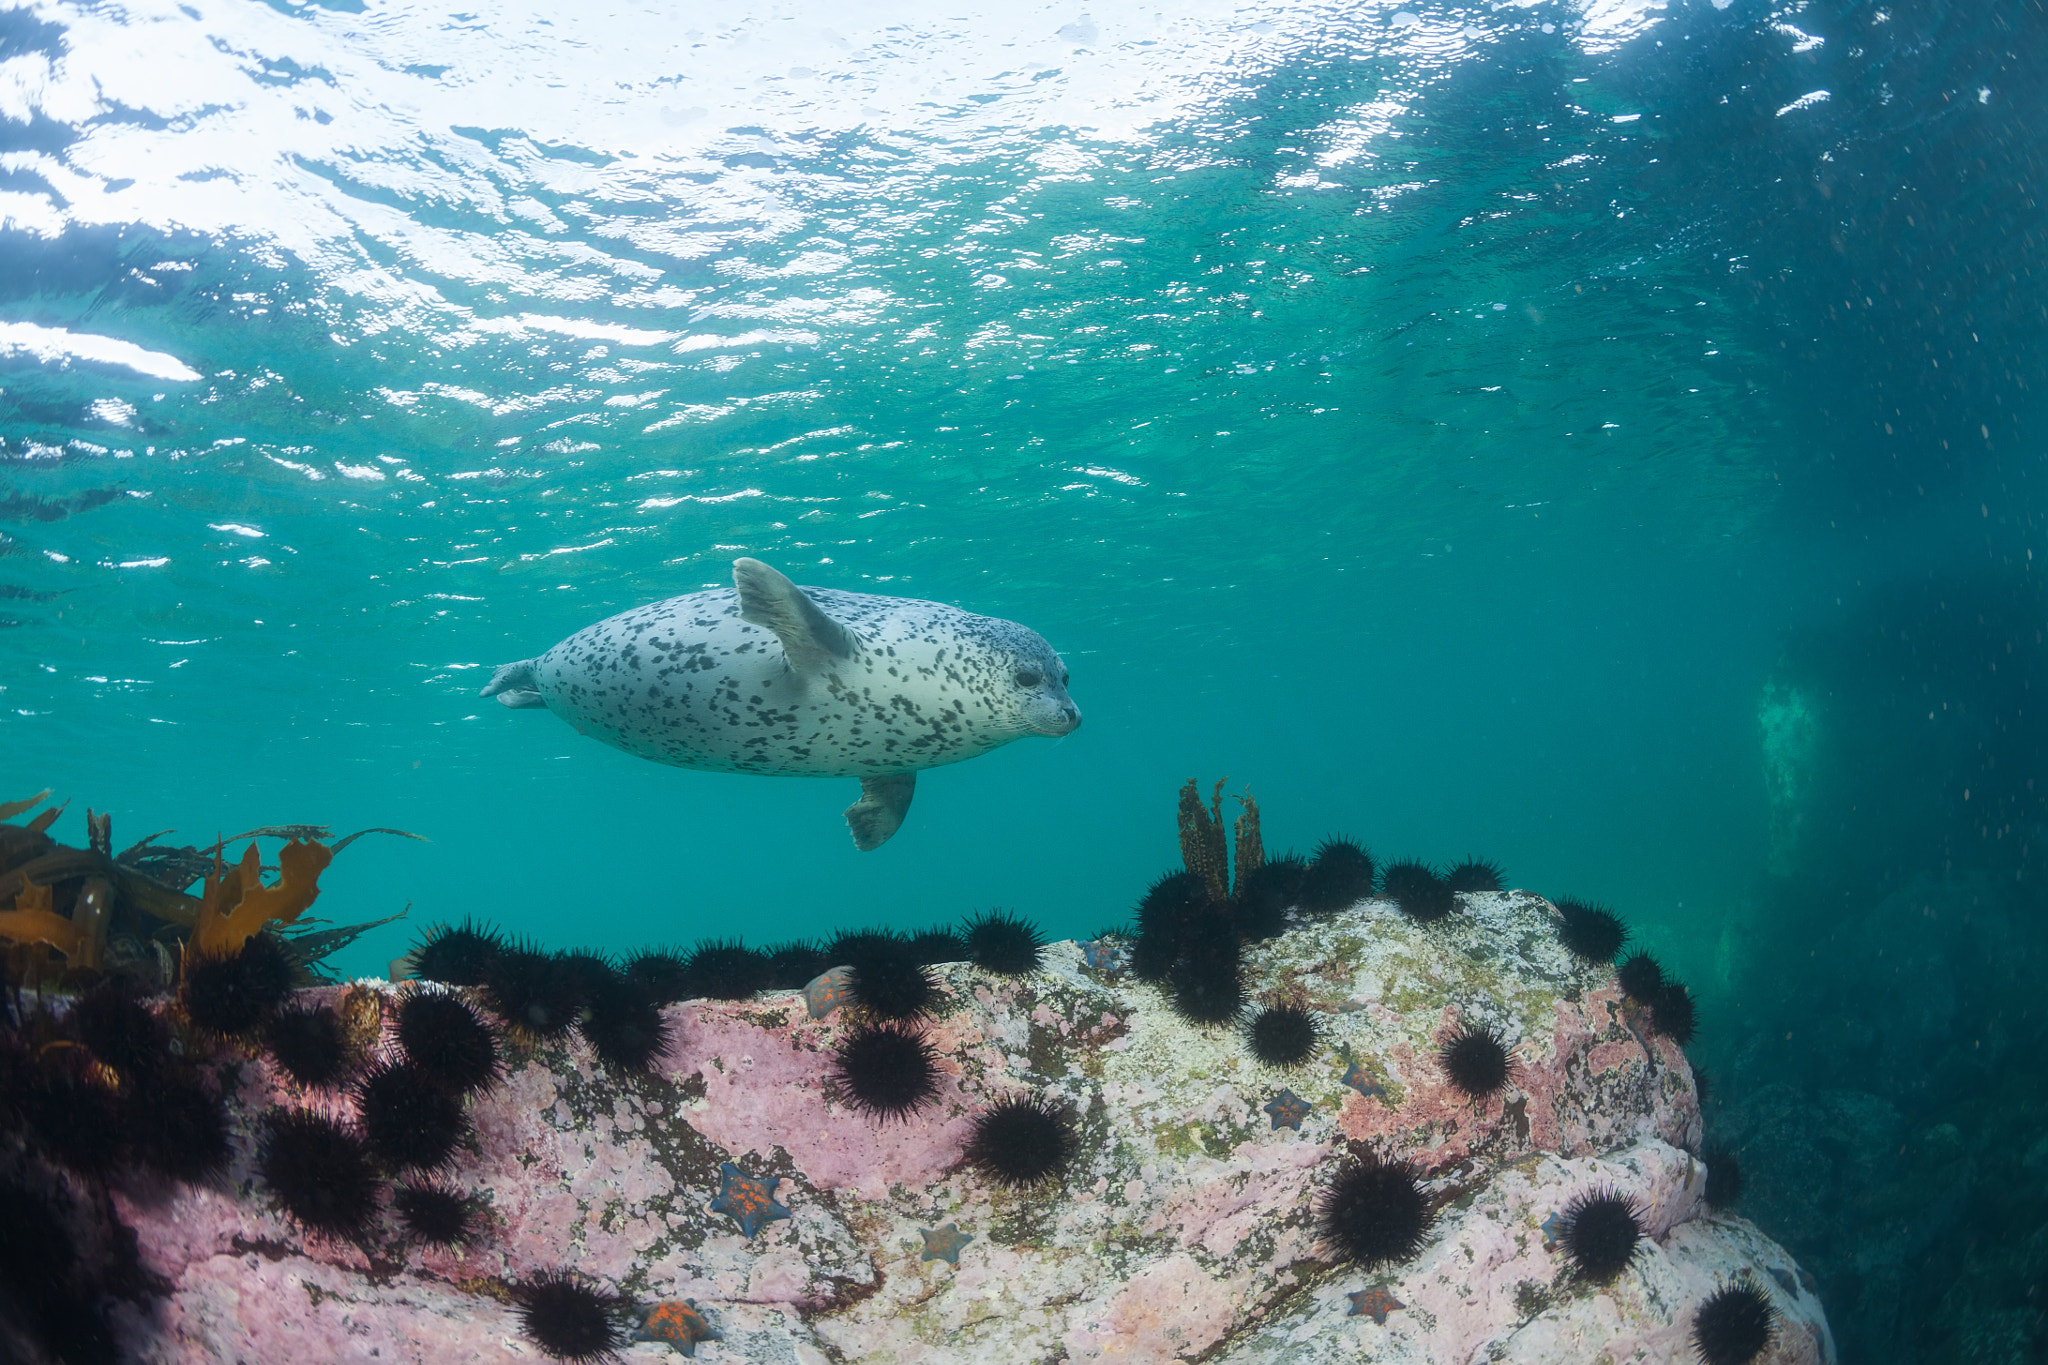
(829, 991)
(1102, 955)
(1359, 1079)
(745, 1200)
(679, 1322)
(1374, 1301)
(1551, 1227)
(1288, 1109)
(944, 1243)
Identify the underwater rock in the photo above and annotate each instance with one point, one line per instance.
(1185, 1224)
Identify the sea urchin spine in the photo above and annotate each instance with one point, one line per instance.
(321, 1173)
(1474, 874)
(1284, 1035)
(435, 1214)
(1476, 1060)
(1341, 875)
(447, 1040)
(1375, 1213)
(1003, 943)
(1601, 1231)
(1022, 1140)
(408, 1120)
(570, 1319)
(309, 1045)
(887, 1071)
(1589, 932)
(1734, 1325)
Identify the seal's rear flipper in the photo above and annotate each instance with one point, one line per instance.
(884, 801)
(811, 640)
(513, 686)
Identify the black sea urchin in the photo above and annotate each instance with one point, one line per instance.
(849, 946)
(77, 1119)
(1207, 980)
(892, 985)
(725, 969)
(887, 1071)
(1266, 895)
(1734, 1325)
(232, 993)
(1724, 1178)
(592, 974)
(662, 975)
(308, 1044)
(1601, 1231)
(1640, 977)
(536, 992)
(1474, 874)
(456, 955)
(177, 1128)
(1284, 1035)
(1340, 876)
(1589, 933)
(1374, 1212)
(436, 1214)
(1672, 1012)
(1476, 1060)
(1418, 891)
(448, 1041)
(121, 1031)
(932, 946)
(1003, 943)
(626, 1028)
(408, 1120)
(1174, 908)
(1021, 1140)
(793, 966)
(320, 1172)
(571, 1319)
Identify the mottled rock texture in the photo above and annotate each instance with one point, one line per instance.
(1185, 1229)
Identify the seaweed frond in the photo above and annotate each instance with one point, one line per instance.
(236, 903)
(35, 920)
(10, 809)
(1201, 841)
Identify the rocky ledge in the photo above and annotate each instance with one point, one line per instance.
(735, 1188)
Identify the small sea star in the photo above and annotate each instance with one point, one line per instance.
(1102, 955)
(1359, 1079)
(679, 1322)
(1374, 1301)
(944, 1243)
(1550, 1227)
(1288, 1109)
(829, 991)
(745, 1200)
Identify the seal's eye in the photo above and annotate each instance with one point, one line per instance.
(1029, 677)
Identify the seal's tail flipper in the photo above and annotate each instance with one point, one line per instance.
(884, 801)
(513, 686)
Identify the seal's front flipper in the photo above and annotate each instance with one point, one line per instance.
(811, 640)
(884, 801)
(513, 686)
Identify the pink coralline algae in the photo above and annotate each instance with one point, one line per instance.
(1184, 1226)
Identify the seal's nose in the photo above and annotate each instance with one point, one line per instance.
(1073, 715)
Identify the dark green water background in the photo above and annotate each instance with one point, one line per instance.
(1585, 448)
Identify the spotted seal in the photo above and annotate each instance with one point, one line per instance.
(775, 679)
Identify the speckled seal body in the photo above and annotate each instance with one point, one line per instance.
(773, 679)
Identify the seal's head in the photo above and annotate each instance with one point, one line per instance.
(1037, 693)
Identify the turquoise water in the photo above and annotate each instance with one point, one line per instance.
(1599, 438)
